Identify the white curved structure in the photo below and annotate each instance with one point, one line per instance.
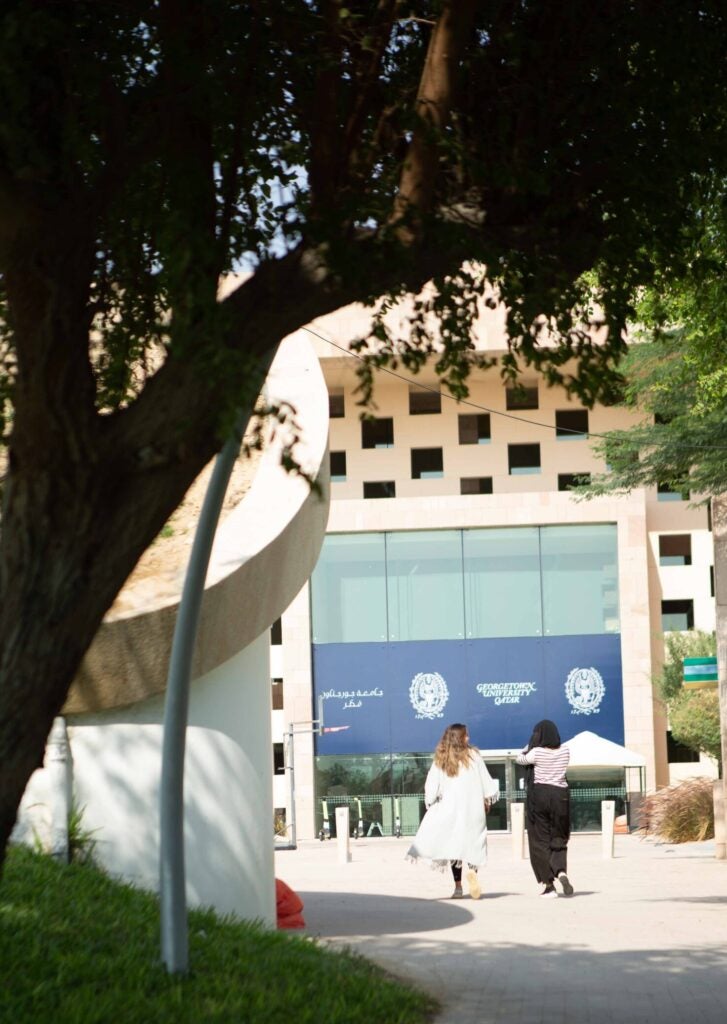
(263, 554)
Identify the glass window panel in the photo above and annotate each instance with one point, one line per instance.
(677, 615)
(566, 481)
(424, 585)
(571, 424)
(474, 429)
(675, 549)
(379, 489)
(580, 579)
(521, 397)
(377, 433)
(336, 405)
(338, 467)
(426, 463)
(502, 582)
(475, 485)
(348, 589)
(422, 401)
(523, 459)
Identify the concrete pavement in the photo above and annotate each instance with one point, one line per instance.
(644, 938)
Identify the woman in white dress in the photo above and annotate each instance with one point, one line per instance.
(458, 792)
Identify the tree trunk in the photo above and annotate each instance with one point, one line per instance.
(719, 534)
(70, 537)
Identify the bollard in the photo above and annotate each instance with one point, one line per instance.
(517, 821)
(59, 768)
(342, 837)
(720, 822)
(608, 815)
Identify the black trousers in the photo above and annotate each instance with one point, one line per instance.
(548, 821)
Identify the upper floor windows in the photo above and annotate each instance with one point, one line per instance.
(427, 463)
(521, 397)
(424, 400)
(571, 424)
(666, 492)
(474, 429)
(377, 433)
(523, 459)
(475, 485)
(567, 481)
(338, 467)
(336, 405)
(677, 615)
(675, 549)
(379, 489)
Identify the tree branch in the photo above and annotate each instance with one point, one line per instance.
(435, 99)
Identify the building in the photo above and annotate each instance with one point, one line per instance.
(461, 580)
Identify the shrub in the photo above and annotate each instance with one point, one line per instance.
(680, 814)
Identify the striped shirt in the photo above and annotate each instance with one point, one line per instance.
(550, 765)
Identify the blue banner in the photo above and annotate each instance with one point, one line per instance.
(399, 697)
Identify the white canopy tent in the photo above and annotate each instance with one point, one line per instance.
(588, 750)
(591, 753)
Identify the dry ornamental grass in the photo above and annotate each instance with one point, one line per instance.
(680, 814)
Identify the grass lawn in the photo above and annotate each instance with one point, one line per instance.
(77, 947)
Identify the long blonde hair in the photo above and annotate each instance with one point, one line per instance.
(453, 750)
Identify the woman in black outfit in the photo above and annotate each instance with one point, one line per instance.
(547, 807)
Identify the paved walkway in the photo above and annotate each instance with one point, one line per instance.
(644, 938)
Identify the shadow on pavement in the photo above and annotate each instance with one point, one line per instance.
(339, 914)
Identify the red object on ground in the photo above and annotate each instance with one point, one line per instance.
(289, 906)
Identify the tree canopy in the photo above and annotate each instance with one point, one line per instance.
(676, 371)
(693, 714)
(340, 153)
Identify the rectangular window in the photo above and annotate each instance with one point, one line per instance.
(475, 485)
(277, 694)
(521, 397)
(336, 405)
(675, 549)
(338, 467)
(571, 424)
(377, 433)
(666, 492)
(679, 753)
(424, 585)
(474, 429)
(348, 589)
(677, 615)
(278, 759)
(276, 632)
(523, 459)
(711, 581)
(580, 579)
(502, 582)
(427, 463)
(379, 489)
(423, 401)
(567, 481)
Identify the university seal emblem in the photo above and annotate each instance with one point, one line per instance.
(585, 690)
(428, 694)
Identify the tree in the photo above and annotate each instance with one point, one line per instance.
(677, 377)
(341, 153)
(693, 714)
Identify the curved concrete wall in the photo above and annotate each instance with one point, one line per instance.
(263, 553)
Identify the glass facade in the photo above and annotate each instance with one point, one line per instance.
(451, 584)
(497, 627)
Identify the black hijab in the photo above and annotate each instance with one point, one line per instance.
(545, 734)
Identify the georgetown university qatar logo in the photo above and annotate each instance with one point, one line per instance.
(585, 690)
(428, 694)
